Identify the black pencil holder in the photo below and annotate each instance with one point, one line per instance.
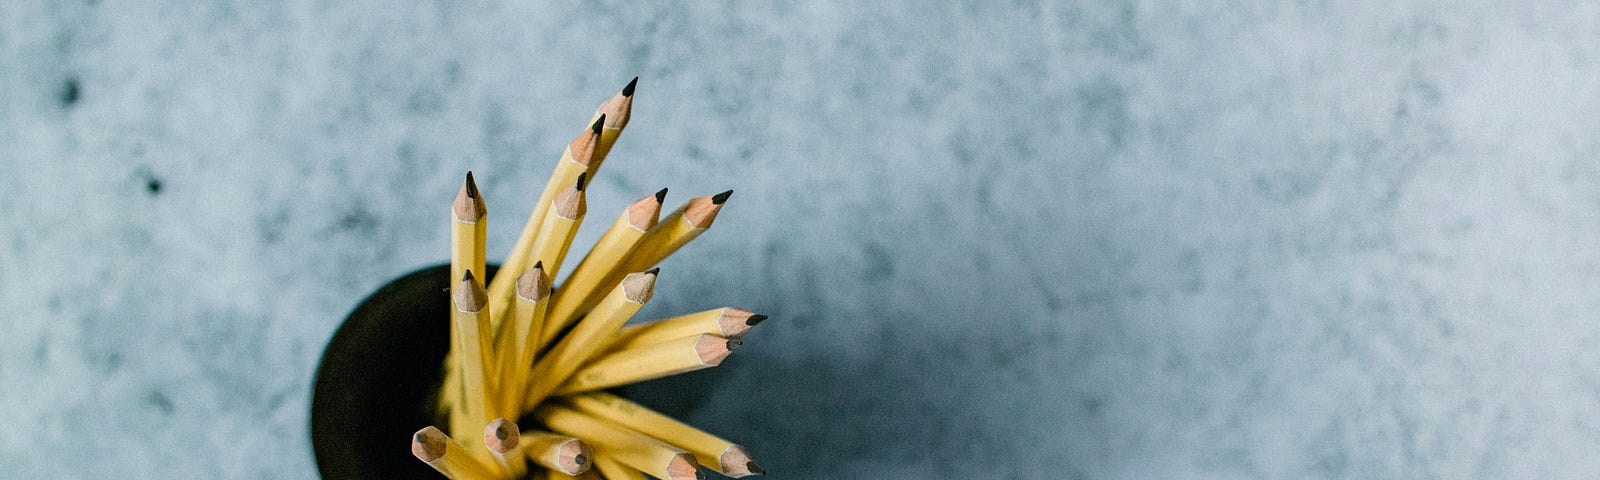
(379, 378)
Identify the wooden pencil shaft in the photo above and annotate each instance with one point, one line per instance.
(586, 336)
(603, 259)
(447, 457)
(621, 444)
(574, 162)
(612, 470)
(728, 322)
(558, 452)
(622, 367)
(708, 449)
(470, 318)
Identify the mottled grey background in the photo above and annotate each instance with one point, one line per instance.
(998, 240)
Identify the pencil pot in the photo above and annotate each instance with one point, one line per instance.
(379, 378)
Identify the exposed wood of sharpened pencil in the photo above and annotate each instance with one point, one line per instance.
(515, 345)
(613, 470)
(605, 258)
(501, 436)
(557, 452)
(622, 367)
(670, 234)
(617, 110)
(574, 161)
(560, 225)
(468, 224)
(728, 322)
(621, 444)
(470, 318)
(440, 452)
(710, 450)
(580, 344)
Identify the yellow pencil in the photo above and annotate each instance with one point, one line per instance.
(440, 452)
(560, 225)
(602, 260)
(574, 161)
(613, 470)
(501, 437)
(471, 320)
(557, 452)
(621, 444)
(728, 322)
(468, 223)
(515, 345)
(727, 457)
(588, 334)
(622, 367)
(671, 233)
(616, 111)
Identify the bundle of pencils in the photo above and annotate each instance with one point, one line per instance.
(521, 349)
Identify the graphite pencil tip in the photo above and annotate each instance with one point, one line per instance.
(753, 468)
(628, 90)
(654, 271)
(582, 180)
(661, 196)
(598, 124)
(468, 206)
(718, 199)
(755, 319)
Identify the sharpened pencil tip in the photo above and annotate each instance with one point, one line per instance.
(466, 275)
(472, 186)
(580, 459)
(718, 199)
(539, 264)
(654, 271)
(661, 196)
(598, 123)
(735, 343)
(582, 180)
(755, 319)
(628, 90)
(753, 468)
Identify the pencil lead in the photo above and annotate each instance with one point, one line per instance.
(755, 319)
(753, 468)
(467, 275)
(598, 123)
(472, 187)
(654, 271)
(539, 264)
(661, 196)
(718, 199)
(582, 177)
(734, 343)
(580, 459)
(628, 90)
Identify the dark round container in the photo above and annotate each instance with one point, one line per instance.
(378, 380)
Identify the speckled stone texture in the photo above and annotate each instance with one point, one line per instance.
(997, 240)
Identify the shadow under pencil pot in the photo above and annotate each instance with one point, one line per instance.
(379, 377)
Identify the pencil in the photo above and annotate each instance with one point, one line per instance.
(468, 223)
(616, 111)
(515, 345)
(603, 259)
(725, 456)
(557, 452)
(560, 225)
(440, 452)
(621, 444)
(622, 367)
(728, 322)
(574, 161)
(590, 333)
(502, 437)
(612, 470)
(471, 320)
(671, 233)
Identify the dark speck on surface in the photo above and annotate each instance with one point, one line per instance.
(160, 401)
(70, 93)
(152, 186)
